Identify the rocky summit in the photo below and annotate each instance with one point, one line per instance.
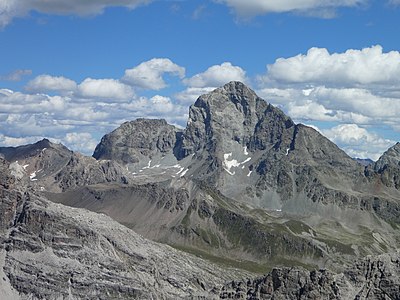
(254, 206)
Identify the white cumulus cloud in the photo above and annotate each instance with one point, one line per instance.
(9, 9)
(149, 74)
(216, 76)
(344, 105)
(105, 89)
(162, 104)
(357, 141)
(360, 101)
(155, 107)
(16, 75)
(20, 103)
(353, 67)
(357, 86)
(45, 83)
(80, 141)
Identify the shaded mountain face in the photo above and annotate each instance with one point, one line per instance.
(232, 114)
(23, 152)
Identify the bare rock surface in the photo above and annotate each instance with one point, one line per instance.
(50, 251)
(369, 278)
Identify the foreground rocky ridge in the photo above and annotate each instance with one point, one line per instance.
(370, 278)
(55, 252)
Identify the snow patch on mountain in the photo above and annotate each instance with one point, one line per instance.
(245, 151)
(32, 176)
(228, 163)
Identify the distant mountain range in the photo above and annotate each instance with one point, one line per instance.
(242, 186)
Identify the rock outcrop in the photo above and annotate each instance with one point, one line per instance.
(370, 278)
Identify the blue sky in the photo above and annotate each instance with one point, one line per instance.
(73, 71)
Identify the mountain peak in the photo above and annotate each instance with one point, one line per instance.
(235, 91)
(391, 157)
(44, 143)
(153, 122)
(236, 87)
(231, 114)
(136, 139)
(21, 152)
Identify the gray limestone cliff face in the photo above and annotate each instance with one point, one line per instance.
(234, 114)
(390, 157)
(228, 113)
(232, 122)
(34, 161)
(137, 139)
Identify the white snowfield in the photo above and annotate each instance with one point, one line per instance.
(245, 151)
(32, 176)
(228, 163)
(184, 172)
